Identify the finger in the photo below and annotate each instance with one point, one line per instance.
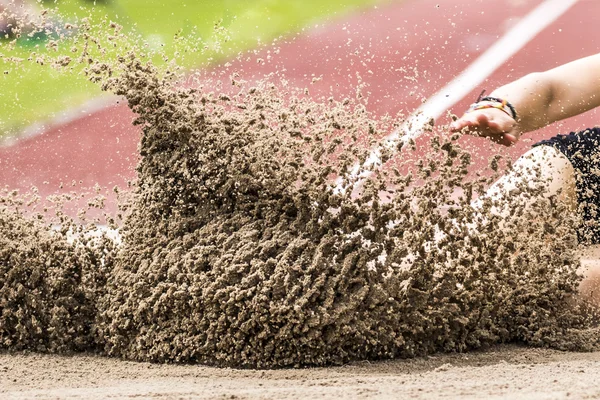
(487, 124)
(490, 128)
(464, 122)
(479, 123)
(458, 125)
(505, 139)
(455, 126)
(511, 138)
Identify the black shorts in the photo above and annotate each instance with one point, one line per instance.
(583, 151)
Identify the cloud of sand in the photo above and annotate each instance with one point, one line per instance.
(237, 252)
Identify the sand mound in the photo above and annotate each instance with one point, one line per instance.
(49, 285)
(237, 252)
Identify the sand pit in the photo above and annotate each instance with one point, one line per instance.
(237, 252)
(501, 372)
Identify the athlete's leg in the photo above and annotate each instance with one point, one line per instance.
(553, 169)
(542, 165)
(590, 268)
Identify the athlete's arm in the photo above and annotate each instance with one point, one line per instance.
(539, 99)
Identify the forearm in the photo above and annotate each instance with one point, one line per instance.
(531, 96)
(546, 97)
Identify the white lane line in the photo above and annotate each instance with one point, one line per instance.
(60, 119)
(487, 63)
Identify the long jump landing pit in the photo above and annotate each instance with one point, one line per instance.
(504, 372)
(386, 379)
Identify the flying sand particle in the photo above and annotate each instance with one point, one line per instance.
(237, 252)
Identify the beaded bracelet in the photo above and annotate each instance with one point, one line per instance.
(493, 102)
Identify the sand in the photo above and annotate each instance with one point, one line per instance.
(500, 372)
(237, 251)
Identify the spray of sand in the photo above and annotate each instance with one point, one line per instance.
(237, 252)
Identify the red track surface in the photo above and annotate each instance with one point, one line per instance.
(440, 41)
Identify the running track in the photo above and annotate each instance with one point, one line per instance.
(441, 38)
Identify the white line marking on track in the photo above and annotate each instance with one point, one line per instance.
(496, 55)
(60, 119)
(487, 63)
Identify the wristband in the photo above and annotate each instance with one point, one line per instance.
(505, 103)
(494, 102)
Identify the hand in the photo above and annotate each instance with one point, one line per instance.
(489, 122)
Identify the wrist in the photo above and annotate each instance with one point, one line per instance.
(498, 103)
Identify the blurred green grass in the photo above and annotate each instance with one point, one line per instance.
(34, 93)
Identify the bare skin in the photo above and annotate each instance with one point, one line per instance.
(541, 99)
